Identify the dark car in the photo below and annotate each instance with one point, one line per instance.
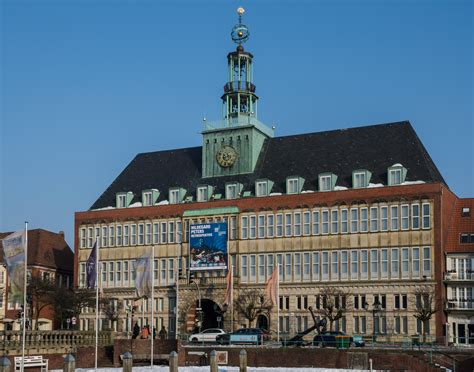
(331, 338)
(244, 336)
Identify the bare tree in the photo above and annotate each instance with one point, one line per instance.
(333, 304)
(68, 302)
(251, 303)
(109, 308)
(425, 306)
(40, 292)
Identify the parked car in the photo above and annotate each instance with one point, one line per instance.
(244, 336)
(208, 335)
(331, 339)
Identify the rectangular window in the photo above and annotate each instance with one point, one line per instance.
(279, 225)
(269, 264)
(174, 196)
(119, 235)
(244, 228)
(325, 221)
(315, 222)
(253, 227)
(306, 223)
(233, 227)
(354, 220)
(244, 268)
(383, 218)
(280, 266)
(292, 186)
(270, 225)
(334, 266)
(394, 218)
(155, 270)
(163, 271)
(288, 267)
(202, 193)
(122, 201)
(405, 262)
(118, 275)
(262, 188)
(394, 262)
(297, 227)
(261, 226)
(133, 235)
(90, 237)
(374, 264)
(405, 211)
(364, 220)
(297, 273)
(306, 266)
(83, 238)
(364, 264)
(147, 198)
(344, 221)
(426, 215)
(141, 234)
(325, 265)
(164, 232)
(427, 261)
(415, 216)
(148, 233)
(125, 272)
(325, 183)
(111, 273)
(253, 268)
(334, 221)
(288, 224)
(415, 262)
(104, 236)
(126, 235)
(261, 268)
(111, 236)
(374, 219)
(316, 266)
(344, 264)
(395, 176)
(156, 233)
(384, 263)
(231, 191)
(360, 180)
(171, 277)
(179, 231)
(354, 264)
(171, 232)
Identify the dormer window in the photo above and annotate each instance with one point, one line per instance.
(176, 195)
(294, 185)
(396, 174)
(232, 190)
(327, 181)
(123, 199)
(263, 187)
(204, 193)
(360, 178)
(149, 197)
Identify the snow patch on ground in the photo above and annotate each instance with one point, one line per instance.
(221, 369)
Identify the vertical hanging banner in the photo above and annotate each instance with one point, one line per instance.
(15, 260)
(143, 278)
(208, 246)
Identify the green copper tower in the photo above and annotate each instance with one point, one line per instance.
(232, 145)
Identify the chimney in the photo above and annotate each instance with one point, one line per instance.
(61, 233)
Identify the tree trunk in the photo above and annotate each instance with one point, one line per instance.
(330, 324)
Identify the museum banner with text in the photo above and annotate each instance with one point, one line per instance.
(208, 246)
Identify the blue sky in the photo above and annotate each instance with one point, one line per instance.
(88, 84)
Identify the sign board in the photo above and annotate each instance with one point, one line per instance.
(222, 357)
(73, 320)
(208, 246)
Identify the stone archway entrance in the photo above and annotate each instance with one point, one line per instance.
(262, 322)
(210, 315)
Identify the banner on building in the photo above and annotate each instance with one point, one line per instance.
(143, 279)
(15, 260)
(208, 246)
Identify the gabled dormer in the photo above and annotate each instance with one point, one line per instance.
(204, 193)
(396, 174)
(123, 199)
(263, 187)
(149, 197)
(233, 190)
(361, 178)
(327, 181)
(294, 184)
(176, 195)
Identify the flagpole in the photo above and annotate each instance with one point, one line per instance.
(96, 299)
(24, 299)
(232, 298)
(152, 323)
(178, 266)
(278, 302)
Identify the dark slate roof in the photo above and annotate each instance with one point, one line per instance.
(342, 151)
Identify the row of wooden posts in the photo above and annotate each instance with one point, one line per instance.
(70, 362)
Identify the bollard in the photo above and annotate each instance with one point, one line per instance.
(69, 363)
(243, 361)
(127, 362)
(173, 361)
(213, 360)
(4, 364)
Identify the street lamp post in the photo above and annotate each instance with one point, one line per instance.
(376, 307)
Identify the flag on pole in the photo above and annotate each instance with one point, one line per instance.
(143, 278)
(14, 248)
(230, 287)
(271, 287)
(91, 267)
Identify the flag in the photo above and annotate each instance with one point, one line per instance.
(143, 278)
(14, 248)
(230, 287)
(91, 268)
(271, 287)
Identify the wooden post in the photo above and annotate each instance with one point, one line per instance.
(243, 360)
(127, 362)
(173, 361)
(4, 364)
(213, 360)
(69, 363)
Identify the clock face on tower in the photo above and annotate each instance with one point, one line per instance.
(226, 156)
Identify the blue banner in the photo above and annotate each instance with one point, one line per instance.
(208, 246)
(91, 267)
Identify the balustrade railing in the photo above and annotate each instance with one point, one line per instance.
(53, 339)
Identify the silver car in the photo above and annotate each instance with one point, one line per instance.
(208, 335)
